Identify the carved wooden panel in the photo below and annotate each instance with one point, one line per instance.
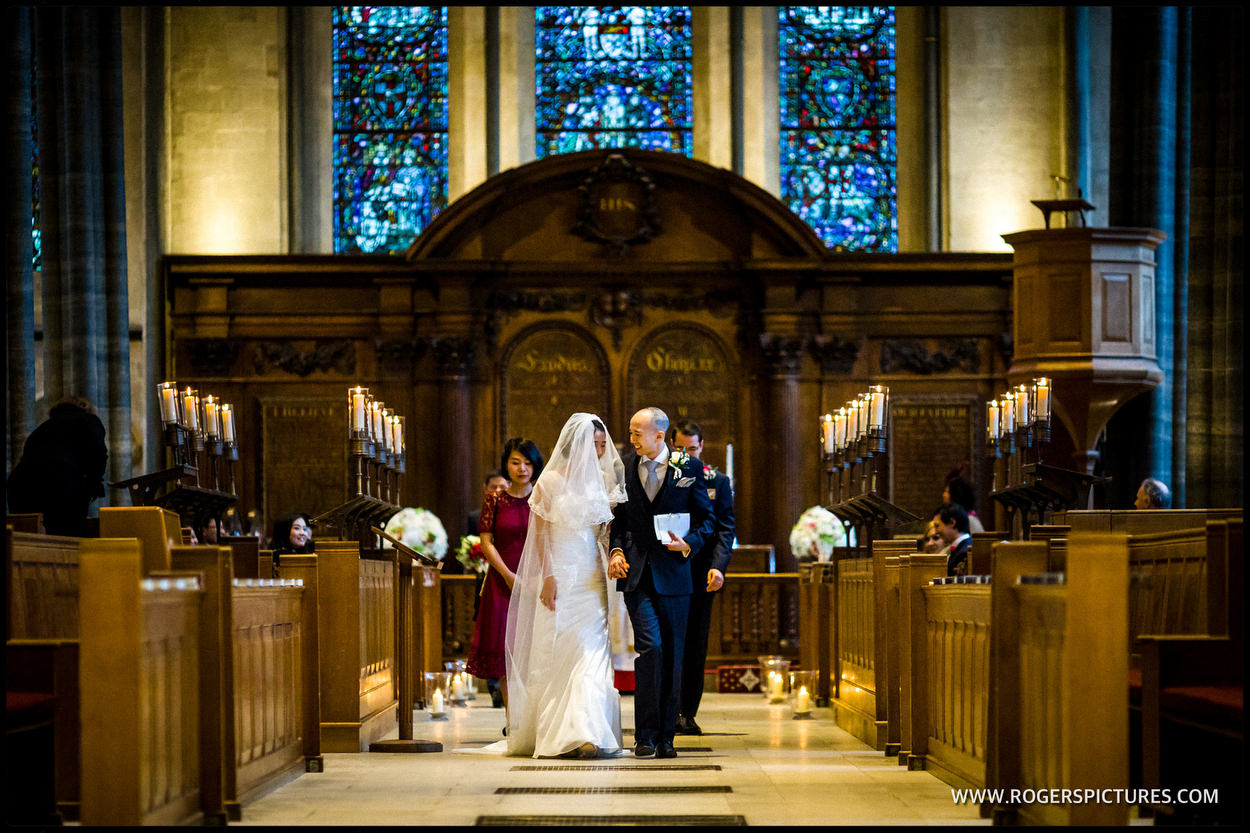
(1117, 307)
(685, 371)
(550, 372)
(305, 456)
(928, 438)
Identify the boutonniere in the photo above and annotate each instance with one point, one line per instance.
(709, 472)
(678, 460)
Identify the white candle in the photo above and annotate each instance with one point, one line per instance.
(394, 428)
(1022, 405)
(878, 406)
(385, 429)
(729, 461)
(436, 702)
(169, 401)
(358, 409)
(852, 424)
(211, 426)
(803, 701)
(1043, 399)
(991, 421)
(399, 435)
(190, 408)
(375, 420)
(227, 423)
(1008, 413)
(826, 432)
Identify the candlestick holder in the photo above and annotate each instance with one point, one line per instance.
(230, 454)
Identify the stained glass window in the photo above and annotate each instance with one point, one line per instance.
(838, 141)
(390, 124)
(613, 76)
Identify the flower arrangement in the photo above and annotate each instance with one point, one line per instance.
(469, 553)
(420, 529)
(816, 534)
(677, 460)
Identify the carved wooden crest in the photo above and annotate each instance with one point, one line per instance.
(617, 205)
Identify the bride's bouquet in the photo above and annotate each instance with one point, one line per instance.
(419, 529)
(469, 553)
(816, 534)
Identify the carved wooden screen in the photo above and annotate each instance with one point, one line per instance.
(550, 372)
(685, 371)
(305, 456)
(929, 437)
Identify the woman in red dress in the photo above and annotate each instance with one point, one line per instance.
(505, 519)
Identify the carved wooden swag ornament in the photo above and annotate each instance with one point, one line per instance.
(617, 205)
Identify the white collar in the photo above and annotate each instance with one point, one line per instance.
(962, 536)
(659, 458)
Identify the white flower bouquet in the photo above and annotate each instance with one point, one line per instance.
(816, 534)
(419, 529)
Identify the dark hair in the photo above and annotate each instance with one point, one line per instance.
(961, 492)
(282, 534)
(527, 449)
(598, 425)
(953, 513)
(491, 475)
(72, 405)
(687, 427)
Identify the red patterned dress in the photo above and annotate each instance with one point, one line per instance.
(506, 518)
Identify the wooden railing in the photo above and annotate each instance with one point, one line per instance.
(754, 614)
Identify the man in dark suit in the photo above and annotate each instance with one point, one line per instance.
(707, 574)
(952, 523)
(655, 576)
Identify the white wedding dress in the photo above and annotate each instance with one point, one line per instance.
(561, 692)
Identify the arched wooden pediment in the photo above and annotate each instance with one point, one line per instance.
(533, 213)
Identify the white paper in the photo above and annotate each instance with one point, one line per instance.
(678, 523)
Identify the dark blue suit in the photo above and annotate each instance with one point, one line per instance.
(714, 555)
(657, 588)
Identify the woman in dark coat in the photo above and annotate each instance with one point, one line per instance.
(62, 468)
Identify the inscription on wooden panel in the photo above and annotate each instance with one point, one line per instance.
(548, 375)
(305, 457)
(928, 439)
(683, 371)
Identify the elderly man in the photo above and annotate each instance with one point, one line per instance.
(1153, 494)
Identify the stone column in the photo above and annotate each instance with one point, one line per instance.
(778, 478)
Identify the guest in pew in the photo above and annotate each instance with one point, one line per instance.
(292, 535)
(210, 532)
(62, 468)
(952, 523)
(1153, 494)
(959, 490)
(503, 526)
(932, 540)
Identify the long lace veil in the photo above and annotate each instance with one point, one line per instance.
(576, 489)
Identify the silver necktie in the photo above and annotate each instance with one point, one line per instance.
(653, 483)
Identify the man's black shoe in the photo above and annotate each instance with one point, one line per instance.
(496, 696)
(687, 726)
(665, 750)
(644, 749)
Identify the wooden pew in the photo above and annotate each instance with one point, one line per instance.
(356, 642)
(140, 689)
(916, 570)
(754, 614)
(1192, 694)
(815, 624)
(158, 529)
(1073, 703)
(1139, 521)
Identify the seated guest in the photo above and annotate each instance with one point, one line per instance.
(1153, 494)
(62, 468)
(292, 535)
(952, 522)
(959, 490)
(932, 540)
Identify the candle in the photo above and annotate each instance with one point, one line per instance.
(775, 686)
(878, 394)
(436, 702)
(803, 701)
(1022, 406)
(852, 415)
(839, 429)
(826, 432)
(457, 687)
(991, 420)
(394, 429)
(227, 422)
(358, 408)
(1008, 413)
(191, 408)
(399, 435)
(385, 428)
(375, 409)
(1043, 399)
(729, 461)
(212, 427)
(169, 401)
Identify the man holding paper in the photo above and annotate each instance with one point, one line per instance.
(668, 515)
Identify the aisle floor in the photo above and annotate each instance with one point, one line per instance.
(754, 765)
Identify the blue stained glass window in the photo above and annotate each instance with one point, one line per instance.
(838, 140)
(390, 124)
(613, 76)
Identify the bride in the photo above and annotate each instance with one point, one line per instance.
(562, 701)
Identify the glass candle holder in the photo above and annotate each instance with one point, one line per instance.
(437, 693)
(774, 678)
(803, 685)
(459, 687)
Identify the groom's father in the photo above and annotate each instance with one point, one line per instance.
(655, 576)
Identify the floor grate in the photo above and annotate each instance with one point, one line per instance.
(608, 790)
(615, 767)
(613, 821)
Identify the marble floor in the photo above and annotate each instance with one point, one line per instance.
(754, 765)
